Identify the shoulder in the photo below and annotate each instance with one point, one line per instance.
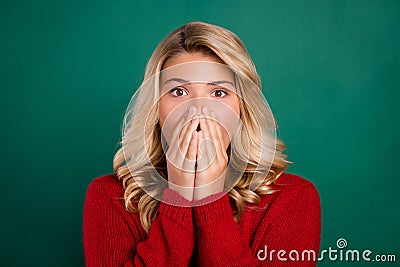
(292, 185)
(104, 209)
(291, 189)
(105, 198)
(109, 181)
(289, 181)
(107, 184)
(291, 216)
(105, 188)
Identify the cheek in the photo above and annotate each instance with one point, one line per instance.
(235, 107)
(226, 139)
(164, 108)
(229, 123)
(228, 116)
(170, 113)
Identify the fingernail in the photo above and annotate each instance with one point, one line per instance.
(191, 110)
(205, 110)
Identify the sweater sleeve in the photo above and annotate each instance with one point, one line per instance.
(296, 226)
(110, 240)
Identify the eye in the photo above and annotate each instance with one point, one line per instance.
(178, 91)
(219, 93)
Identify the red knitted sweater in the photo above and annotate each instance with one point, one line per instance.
(282, 230)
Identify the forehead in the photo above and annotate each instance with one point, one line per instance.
(199, 71)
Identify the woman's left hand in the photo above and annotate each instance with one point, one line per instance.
(212, 159)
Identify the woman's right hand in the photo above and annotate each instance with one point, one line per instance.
(181, 155)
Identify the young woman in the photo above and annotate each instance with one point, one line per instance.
(200, 176)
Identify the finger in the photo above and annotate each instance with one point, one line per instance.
(180, 133)
(190, 162)
(205, 127)
(173, 149)
(202, 159)
(217, 133)
(188, 119)
(177, 130)
(213, 125)
(186, 140)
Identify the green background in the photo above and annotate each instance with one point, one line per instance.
(330, 71)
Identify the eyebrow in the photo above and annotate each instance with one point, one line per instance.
(182, 81)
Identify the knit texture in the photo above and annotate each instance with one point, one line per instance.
(206, 234)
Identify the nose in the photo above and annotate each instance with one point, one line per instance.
(199, 103)
(199, 97)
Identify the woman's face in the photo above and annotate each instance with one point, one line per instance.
(203, 82)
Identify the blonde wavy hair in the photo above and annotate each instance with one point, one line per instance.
(264, 151)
